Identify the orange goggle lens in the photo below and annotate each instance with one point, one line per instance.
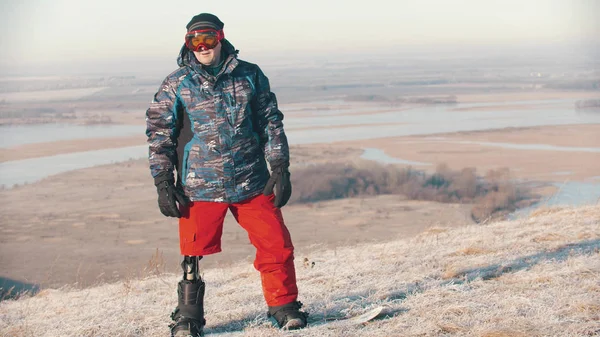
(208, 39)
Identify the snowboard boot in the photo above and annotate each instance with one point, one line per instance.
(289, 316)
(188, 317)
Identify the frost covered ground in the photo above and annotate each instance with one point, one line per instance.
(538, 276)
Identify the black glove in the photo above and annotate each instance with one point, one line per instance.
(169, 196)
(280, 179)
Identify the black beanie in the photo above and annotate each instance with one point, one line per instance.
(204, 21)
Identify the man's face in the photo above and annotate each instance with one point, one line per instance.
(209, 57)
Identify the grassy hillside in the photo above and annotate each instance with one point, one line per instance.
(534, 277)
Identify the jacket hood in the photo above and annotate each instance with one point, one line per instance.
(186, 57)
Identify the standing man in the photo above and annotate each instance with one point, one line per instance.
(216, 123)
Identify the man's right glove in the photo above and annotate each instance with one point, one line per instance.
(169, 196)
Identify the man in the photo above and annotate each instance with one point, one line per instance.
(216, 123)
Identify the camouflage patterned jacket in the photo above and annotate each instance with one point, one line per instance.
(216, 130)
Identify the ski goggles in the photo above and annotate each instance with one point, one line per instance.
(207, 38)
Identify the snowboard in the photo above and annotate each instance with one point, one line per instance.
(328, 322)
(354, 320)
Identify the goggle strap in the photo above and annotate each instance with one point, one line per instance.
(220, 33)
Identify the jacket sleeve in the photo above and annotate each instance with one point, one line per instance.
(270, 123)
(161, 129)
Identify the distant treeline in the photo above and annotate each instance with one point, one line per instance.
(450, 99)
(37, 112)
(492, 195)
(48, 115)
(587, 104)
(583, 84)
(63, 83)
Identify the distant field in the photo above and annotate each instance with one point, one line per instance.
(48, 95)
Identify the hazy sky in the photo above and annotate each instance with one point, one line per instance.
(47, 32)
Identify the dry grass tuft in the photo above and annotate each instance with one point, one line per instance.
(548, 237)
(543, 211)
(450, 272)
(17, 331)
(450, 328)
(473, 250)
(543, 279)
(457, 310)
(434, 231)
(586, 235)
(156, 265)
(588, 308)
(594, 288)
(506, 333)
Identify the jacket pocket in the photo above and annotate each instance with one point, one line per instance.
(184, 165)
(233, 111)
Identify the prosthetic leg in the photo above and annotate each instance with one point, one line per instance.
(188, 317)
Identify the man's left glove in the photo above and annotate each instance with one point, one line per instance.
(169, 196)
(280, 179)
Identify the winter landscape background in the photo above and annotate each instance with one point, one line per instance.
(456, 182)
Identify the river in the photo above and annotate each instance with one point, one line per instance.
(317, 126)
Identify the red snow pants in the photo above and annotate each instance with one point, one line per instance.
(201, 227)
